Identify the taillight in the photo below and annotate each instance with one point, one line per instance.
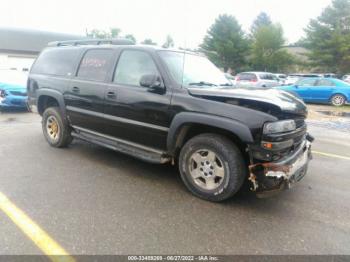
(254, 80)
(237, 78)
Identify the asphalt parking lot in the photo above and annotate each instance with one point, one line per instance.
(92, 200)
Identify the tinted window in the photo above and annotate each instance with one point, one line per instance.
(267, 77)
(95, 64)
(325, 82)
(57, 62)
(132, 65)
(306, 82)
(247, 76)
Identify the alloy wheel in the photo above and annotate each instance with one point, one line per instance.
(53, 128)
(206, 169)
(338, 100)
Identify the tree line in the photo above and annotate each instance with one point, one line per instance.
(327, 39)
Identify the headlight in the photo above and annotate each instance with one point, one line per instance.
(279, 127)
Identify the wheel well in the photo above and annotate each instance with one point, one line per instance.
(45, 102)
(189, 131)
(337, 94)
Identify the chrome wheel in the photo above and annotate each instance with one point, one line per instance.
(206, 169)
(52, 128)
(338, 100)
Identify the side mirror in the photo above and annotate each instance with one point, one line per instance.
(296, 86)
(153, 82)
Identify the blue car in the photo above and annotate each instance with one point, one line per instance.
(12, 96)
(321, 90)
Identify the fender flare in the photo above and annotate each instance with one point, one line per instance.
(180, 120)
(54, 94)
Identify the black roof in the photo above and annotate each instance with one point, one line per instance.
(29, 41)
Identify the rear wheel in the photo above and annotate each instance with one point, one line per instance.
(212, 167)
(55, 129)
(338, 100)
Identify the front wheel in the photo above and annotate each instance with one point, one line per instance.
(212, 167)
(55, 129)
(338, 100)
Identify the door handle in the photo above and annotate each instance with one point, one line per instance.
(76, 89)
(111, 94)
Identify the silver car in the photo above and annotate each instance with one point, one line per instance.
(256, 80)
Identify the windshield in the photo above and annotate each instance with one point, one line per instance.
(193, 70)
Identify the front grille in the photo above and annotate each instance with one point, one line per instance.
(299, 122)
(18, 93)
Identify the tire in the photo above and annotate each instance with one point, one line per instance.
(338, 100)
(221, 176)
(53, 123)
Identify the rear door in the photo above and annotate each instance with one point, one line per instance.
(136, 113)
(84, 98)
(323, 90)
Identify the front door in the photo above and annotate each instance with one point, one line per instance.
(136, 113)
(84, 98)
(302, 88)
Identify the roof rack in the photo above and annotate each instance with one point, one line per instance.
(114, 41)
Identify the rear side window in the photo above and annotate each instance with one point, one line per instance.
(58, 62)
(267, 76)
(95, 64)
(247, 77)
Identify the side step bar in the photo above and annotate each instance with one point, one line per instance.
(144, 153)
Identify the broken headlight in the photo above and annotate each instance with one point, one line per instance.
(279, 127)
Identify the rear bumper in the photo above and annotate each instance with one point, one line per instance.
(272, 177)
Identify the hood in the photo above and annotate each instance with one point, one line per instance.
(283, 100)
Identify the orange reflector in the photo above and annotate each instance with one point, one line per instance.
(267, 145)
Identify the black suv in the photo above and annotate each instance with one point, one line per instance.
(168, 106)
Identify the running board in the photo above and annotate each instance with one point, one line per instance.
(135, 150)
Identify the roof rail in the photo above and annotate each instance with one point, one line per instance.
(113, 41)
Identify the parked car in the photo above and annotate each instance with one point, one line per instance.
(346, 78)
(321, 90)
(256, 79)
(330, 75)
(168, 106)
(13, 91)
(281, 78)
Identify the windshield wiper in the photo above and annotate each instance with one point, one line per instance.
(201, 83)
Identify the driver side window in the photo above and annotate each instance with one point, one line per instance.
(307, 82)
(132, 65)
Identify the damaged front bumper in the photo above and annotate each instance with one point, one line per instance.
(272, 177)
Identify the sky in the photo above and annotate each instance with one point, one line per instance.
(187, 21)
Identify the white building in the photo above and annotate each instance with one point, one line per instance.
(20, 47)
